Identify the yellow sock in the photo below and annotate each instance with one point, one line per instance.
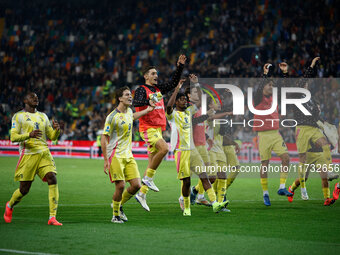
(116, 206)
(199, 187)
(326, 193)
(211, 194)
(264, 184)
(214, 186)
(144, 189)
(283, 177)
(293, 186)
(126, 196)
(53, 198)
(231, 178)
(150, 172)
(186, 202)
(221, 188)
(302, 175)
(16, 197)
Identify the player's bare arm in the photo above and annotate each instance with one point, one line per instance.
(150, 108)
(104, 141)
(171, 102)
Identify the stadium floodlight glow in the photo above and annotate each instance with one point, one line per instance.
(238, 100)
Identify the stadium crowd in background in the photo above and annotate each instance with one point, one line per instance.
(75, 56)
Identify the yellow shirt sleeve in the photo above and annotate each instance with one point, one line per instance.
(109, 124)
(16, 128)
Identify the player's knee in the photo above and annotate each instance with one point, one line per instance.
(186, 182)
(136, 187)
(265, 163)
(120, 185)
(24, 190)
(285, 159)
(51, 178)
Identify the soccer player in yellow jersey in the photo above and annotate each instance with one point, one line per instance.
(186, 156)
(117, 151)
(315, 160)
(31, 128)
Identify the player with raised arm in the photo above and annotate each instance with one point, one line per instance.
(186, 156)
(268, 135)
(117, 151)
(308, 132)
(31, 128)
(152, 124)
(199, 134)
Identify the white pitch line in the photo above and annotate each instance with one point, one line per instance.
(25, 252)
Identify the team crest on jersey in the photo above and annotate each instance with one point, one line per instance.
(36, 125)
(13, 125)
(107, 129)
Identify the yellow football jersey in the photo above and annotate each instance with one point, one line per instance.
(25, 122)
(118, 126)
(181, 128)
(216, 137)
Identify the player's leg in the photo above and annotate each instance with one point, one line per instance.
(325, 186)
(53, 197)
(321, 142)
(221, 182)
(15, 199)
(217, 206)
(24, 172)
(336, 191)
(264, 181)
(186, 196)
(233, 164)
(132, 176)
(296, 184)
(283, 175)
(47, 173)
(135, 185)
(156, 150)
(302, 175)
(141, 195)
(117, 199)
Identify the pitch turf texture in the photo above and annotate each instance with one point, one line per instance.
(303, 227)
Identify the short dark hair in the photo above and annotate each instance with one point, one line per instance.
(119, 93)
(147, 69)
(179, 95)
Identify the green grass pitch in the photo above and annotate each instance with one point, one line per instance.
(303, 227)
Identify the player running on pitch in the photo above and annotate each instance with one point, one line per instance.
(31, 128)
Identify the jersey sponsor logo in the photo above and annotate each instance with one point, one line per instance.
(159, 107)
(28, 119)
(123, 122)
